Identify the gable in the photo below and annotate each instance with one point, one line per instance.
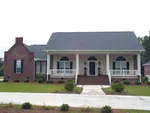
(101, 41)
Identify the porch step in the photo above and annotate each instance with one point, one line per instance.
(93, 80)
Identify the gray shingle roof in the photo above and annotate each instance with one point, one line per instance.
(38, 51)
(147, 63)
(93, 41)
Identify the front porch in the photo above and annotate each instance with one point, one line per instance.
(76, 65)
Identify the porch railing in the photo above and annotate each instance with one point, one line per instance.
(63, 72)
(123, 72)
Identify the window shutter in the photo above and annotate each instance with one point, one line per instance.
(22, 66)
(114, 66)
(58, 65)
(14, 66)
(70, 65)
(128, 66)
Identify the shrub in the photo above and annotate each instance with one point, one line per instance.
(50, 81)
(69, 86)
(145, 79)
(70, 80)
(106, 109)
(148, 83)
(16, 81)
(64, 107)
(137, 82)
(40, 80)
(116, 81)
(60, 81)
(26, 105)
(126, 82)
(118, 87)
(5, 80)
(26, 80)
(40, 77)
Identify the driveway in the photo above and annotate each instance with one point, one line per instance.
(93, 89)
(77, 100)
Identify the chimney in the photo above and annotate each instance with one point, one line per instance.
(19, 40)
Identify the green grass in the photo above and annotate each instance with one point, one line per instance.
(32, 88)
(1, 77)
(138, 111)
(134, 90)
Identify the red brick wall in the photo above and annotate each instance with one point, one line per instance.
(147, 70)
(19, 51)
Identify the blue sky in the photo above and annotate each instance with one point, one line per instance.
(35, 20)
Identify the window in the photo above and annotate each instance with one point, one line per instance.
(64, 63)
(18, 66)
(121, 63)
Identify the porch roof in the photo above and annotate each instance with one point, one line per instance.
(100, 41)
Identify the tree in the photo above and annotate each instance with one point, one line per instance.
(1, 66)
(145, 41)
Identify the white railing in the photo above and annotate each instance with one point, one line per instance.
(63, 72)
(123, 72)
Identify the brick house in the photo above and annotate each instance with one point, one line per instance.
(86, 57)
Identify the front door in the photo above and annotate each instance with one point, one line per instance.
(92, 68)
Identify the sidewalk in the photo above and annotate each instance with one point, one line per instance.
(78, 100)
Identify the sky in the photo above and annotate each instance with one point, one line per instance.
(35, 20)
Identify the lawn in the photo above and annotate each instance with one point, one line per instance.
(133, 90)
(32, 87)
(1, 77)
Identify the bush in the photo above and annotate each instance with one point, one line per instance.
(137, 82)
(40, 80)
(148, 83)
(16, 81)
(69, 86)
(118, 87)
(70, 80)
(106, 109)
(116, 81)
(26, 80)
(5, 80)
(64, 107)
(40, 77)
(50, 81)
(60, 81)
(145, 79)
(126, 82)
(26, 105)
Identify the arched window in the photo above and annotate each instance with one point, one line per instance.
(92, 58)
(64, 58)
(121, 64)
(64, 63)
(120, 58)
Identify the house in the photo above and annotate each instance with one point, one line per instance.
(86, 57)
(147, 69)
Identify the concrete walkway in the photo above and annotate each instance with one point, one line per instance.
(93, 89)
(77, 100)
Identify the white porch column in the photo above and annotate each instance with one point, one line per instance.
(107, 63)
(77, 67)
(139, 65)
(48, 64)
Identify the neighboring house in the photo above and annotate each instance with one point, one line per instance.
(147, 69)
(86, 57)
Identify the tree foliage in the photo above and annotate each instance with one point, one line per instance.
(145, 41)
(1, 66)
